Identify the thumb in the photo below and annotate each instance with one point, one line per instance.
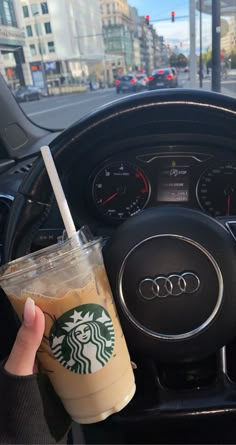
(22, 358)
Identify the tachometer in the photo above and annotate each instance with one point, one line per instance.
(120, 189)
(216, 190)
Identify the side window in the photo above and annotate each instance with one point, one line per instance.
(34, 8)
(51, 47)
(33, 50)
(48, 28)
(29, 31)
(25, 10)
(38, 29)
(44, 7)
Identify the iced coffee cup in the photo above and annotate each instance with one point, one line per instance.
(83, 350)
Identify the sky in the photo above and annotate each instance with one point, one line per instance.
(176, 32)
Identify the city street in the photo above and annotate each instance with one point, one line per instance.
(59, 112)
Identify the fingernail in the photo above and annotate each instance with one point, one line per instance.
(134, 366)
(29, 312)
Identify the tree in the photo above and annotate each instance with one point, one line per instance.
(182, 61)
(178, 60)
(173, 60)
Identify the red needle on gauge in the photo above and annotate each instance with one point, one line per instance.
(110, 198)
(228, 205)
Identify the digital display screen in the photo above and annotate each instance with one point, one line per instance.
(173, 184)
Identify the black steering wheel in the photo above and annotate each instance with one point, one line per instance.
(172, 270)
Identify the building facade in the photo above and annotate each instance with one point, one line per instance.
(118, 37)
(228, 42)
(12, 42)
(60, 46)
(136, 37)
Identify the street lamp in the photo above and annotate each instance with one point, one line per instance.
(41, 53)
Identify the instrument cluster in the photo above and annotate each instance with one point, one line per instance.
(120, 188)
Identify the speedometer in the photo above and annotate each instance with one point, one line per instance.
(216, 190)
(119, 190)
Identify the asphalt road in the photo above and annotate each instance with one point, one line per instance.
(58, 112)
(61, 111)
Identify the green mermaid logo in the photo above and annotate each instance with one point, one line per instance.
(83, 339)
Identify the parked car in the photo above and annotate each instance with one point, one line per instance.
(44, 91)
(27, 93)
(163, 78)
(128, 84)
(142, 78)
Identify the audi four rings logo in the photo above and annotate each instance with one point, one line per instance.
(171, 285)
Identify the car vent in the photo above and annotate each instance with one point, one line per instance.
(23, 168)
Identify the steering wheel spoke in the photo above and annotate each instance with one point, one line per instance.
(230, 224)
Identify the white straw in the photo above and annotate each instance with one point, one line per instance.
(58, 191)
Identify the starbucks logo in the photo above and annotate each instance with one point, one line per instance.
(83, 338)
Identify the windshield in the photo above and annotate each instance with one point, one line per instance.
(77, 54)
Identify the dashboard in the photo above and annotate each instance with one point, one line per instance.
(106, 190)
(122, 186)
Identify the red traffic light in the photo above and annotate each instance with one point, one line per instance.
(147, 19)
(173, 16)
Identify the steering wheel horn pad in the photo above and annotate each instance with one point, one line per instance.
(172, 270)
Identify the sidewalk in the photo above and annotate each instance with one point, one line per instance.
(207, 86)
(66, 89)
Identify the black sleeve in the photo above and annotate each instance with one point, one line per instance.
(30, 411)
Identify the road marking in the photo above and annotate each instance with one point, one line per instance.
(49, 110)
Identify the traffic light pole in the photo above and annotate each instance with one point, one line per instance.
(200, 58)
(216, 63)
(192, 32)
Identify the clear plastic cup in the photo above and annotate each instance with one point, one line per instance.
(83, 351)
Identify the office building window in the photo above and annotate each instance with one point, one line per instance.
(38, 29)
(48, 28)
(101, 9)
(7, 13)
(51, 47)
(44, 8)
(34, 9)
(114, 7)
(25, 11)
(29, 31)
(33, 51)
(42, 49)
(108, 8)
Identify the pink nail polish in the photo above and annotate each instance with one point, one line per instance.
(29, 312)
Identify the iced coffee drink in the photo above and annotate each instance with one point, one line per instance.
(83, 351)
